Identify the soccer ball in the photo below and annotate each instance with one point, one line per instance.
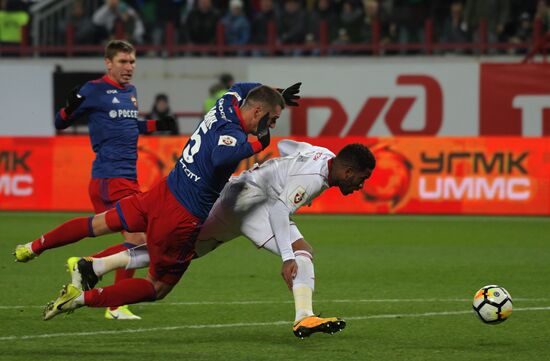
(492, 304)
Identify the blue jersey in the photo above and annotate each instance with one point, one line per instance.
(112, 111)
(212, 153)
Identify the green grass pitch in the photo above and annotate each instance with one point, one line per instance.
(403, 283)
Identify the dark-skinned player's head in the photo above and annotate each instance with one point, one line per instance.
(260, 101)
(120, 61)
(351, 167)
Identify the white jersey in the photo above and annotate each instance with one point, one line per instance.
(296, 178)
(259, 201)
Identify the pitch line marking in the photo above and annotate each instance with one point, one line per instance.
(228, 303)
(251, 324)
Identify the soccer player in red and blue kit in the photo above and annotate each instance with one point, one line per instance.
(111, 106)
(173, 210)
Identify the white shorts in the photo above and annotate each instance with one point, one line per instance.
(247, 217)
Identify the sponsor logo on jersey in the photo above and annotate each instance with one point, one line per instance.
(134, 100)
(298, 195)
(220, 109)
(111, 91)
(188, 172)
(115, 101)
(127, 113)
(123, 113)
(227, 140)
(317, 155)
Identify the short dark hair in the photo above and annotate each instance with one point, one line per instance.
(161, 96)
(114, 47)
(226, 80)
(357, 156)
(266, 95)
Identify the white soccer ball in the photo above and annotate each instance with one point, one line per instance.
(492, 304)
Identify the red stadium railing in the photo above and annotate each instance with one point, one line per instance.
(540, 41)
(323, 47)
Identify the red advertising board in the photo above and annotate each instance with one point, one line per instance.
(26, 173)
(414, 175)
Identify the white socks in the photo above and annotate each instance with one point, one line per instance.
(79, 301)
(107, 264)
(303, 285)
(139, 257)
(132, 258)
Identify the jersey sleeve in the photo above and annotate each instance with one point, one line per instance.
(227, 106)
(231, 146)
(62, 120)
(279, 222)
(147, 126)
(240, 91)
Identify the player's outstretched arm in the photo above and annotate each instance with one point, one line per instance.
(152, 125)
(278, 219)
(232, 147)
(66, 116)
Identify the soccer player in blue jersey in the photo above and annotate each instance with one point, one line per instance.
(258, 204)
(112, 109)
(172, 212)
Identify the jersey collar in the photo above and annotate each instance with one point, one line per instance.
(239, 116)
(108, 80)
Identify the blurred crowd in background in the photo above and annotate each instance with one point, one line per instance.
(294, 21)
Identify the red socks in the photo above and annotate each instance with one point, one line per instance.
(69, 232)
(125, 292)
(121, 273)
(73, 231)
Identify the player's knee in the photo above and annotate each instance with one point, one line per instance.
(99, 224)
(162, 289)
(302, 245)
(137, 239)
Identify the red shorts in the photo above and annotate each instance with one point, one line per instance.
(171, 230)
(105, 192)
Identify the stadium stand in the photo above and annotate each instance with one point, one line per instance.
(274, 27)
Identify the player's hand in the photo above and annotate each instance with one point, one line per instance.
(73, 100)
(263, 131)
(290, 94)
(166, 123)
(290, 268)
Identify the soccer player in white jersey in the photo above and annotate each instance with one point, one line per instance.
(268, 195)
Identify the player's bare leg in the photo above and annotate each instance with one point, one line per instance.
(306, 322)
